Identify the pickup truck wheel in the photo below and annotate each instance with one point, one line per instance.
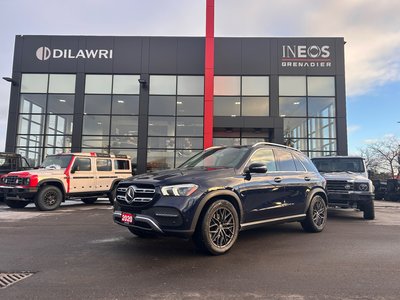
(369, 211)
(218, 229)
(48, 198)
(16, 203)
(112, 194)
(141, 233)
(317, 213)
(90, 200)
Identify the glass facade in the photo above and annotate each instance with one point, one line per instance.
(308, 106)
(110, 114)
(111, 109)
(45, 122)
(241, 96)
(175, 121)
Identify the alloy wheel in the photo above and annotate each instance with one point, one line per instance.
(222, 227)
(50, 198)
(319, 212)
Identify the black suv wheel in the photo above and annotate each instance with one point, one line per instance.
(317, 212)
(369, 210)
(218, 229)
(48, 198)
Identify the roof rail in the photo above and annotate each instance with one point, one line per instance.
(276, 145)
(214, 147)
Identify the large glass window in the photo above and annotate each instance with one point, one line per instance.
(97, 104)
(321, 86)
(255, 85)
(235, 136)
(34, 83)
(126, 84)
(110, 122)
(292, 86)
(162, 85)
(227, 106)
(62, 83)
(175, 123)
(241, 96)
(45, 121)
(292, 106)
(98, 84)
(255, 106)
(189, 106)
(308, 106)
(162, 105)
(63, 104)
(124, 105)
(190, 85)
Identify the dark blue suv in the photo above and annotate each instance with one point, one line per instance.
(221, 191)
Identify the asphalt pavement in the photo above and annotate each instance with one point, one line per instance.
(77, 252)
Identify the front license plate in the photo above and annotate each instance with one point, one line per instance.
(127, 218)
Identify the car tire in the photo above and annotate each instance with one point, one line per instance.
(218, 228)
(369, 211)
(16, 203)
(48, 198)
(317, 214)
(90, 200)
(141, 233)
(112, 194)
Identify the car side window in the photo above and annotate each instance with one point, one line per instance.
(264, 156)
(82, 164)
(121, 164)
(285, 160)
(307, 163)
(103, 165)
(299, 165)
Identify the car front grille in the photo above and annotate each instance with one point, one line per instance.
(11, 180)
(135, 194)
(339, 185)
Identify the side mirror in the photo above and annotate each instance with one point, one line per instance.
(257, 168)
(74, 169)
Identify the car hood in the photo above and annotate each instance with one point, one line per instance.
(345, 176)
(192, 175)
(38, 172)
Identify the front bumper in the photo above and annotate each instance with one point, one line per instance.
(161, 221)
(21, 193)
(350, 198)
(141, 222)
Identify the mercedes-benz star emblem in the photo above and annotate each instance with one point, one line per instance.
(130, 194)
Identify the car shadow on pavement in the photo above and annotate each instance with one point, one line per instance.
(345, 214)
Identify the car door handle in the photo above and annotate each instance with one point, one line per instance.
(307, 178)
(278, 179)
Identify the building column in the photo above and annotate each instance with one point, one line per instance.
(209, 77)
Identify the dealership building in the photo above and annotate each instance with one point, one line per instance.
(145, 96)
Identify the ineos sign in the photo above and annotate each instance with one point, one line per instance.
(45, 53)
(306, 56)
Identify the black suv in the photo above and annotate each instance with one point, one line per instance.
(222, 190)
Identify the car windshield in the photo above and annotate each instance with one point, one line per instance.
(217, 158)
(56, 162)
(7, 163)
(329, 165)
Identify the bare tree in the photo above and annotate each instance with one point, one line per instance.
(371, 160)
(383, 155)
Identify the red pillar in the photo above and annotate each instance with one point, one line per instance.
(209, 76)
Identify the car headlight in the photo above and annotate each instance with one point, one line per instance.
(363, 187)
(179, 190)
(26, 181)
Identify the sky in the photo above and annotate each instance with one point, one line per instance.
(371, 30)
